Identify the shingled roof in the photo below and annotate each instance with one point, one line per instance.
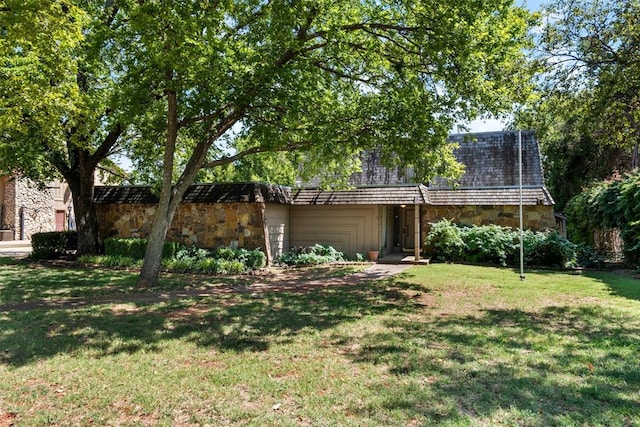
(388, 195)
(491, 160)
(490, 196)
(198, 193)
(491, 178)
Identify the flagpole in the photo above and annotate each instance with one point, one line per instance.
(521, 215)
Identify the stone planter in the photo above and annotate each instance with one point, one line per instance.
(373, 255)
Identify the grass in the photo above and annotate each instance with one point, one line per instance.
(439, 345)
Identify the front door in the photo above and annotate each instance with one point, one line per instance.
(408, 228)
(61, 220)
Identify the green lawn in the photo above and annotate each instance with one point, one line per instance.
(438, 345)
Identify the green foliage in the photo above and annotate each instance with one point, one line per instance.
(53, 244)
(111, 261)
(446, 241)
(608, 205)
(135, 248)
(550, 249)
(501, 245)
(573, 155)
(304, 256)
(489, 244)
(204, 266)
(182, 259)
(587, 110)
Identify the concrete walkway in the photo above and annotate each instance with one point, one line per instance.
(15, 248)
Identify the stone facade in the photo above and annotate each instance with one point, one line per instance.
(537, 217)
(206, 225)
(26, 209)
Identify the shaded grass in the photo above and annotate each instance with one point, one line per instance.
(440, 345)
(26, 280)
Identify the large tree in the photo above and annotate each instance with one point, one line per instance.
(326, 79)
(59, 112)
(588, 113)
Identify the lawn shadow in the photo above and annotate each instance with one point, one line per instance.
(478, 367)
(232, 322)
(622, 284)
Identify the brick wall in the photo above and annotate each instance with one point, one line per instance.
(206, 225)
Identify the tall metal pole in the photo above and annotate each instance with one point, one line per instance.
(521, 215)
(416, 226)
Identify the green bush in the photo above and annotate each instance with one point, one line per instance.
(501, 245)
(185, 259)
(444, 238)
(489, 244)
(304, 256)
(135, 248)
(53, 244)
(204, 266)
(612, 204)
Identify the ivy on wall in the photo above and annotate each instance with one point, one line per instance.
(612, 204)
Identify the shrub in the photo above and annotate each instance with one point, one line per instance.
(304, 256)
(445, 239)
(135, 248)
(185, 259)
(53, 244)
(489, 244)
(500, 245)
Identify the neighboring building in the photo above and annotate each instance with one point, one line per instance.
(26, 209)
(383, 212)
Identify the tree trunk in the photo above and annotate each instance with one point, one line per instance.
(168, 198)
(81, 184)
(155, 243)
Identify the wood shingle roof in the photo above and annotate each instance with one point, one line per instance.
(198, 193)
(388, 195)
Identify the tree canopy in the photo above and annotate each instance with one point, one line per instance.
(326, 79)
(204, 84)
(59, 110)
(588, 109)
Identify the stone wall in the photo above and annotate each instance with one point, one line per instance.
(36, 205)
(206, 225)
(538, 217)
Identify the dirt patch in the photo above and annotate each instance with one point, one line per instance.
(7, 419)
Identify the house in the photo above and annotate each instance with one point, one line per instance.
(26, 208)
(383, 211)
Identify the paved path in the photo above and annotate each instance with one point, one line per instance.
(15, 248)
(260, 285)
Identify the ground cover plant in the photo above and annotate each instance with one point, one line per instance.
(179, 258)
(439, 345)
(304, 256)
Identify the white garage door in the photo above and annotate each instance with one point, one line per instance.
(277, 219)
(350, 229)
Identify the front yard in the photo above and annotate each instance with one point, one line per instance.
(441, 344)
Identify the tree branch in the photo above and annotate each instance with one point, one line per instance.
(107, 144)
(204, 117)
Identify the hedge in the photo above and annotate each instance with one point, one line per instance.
(494, 244)
(53, 244)
(303, 256)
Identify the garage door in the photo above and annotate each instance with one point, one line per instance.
(349, 229)
(277, 218)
